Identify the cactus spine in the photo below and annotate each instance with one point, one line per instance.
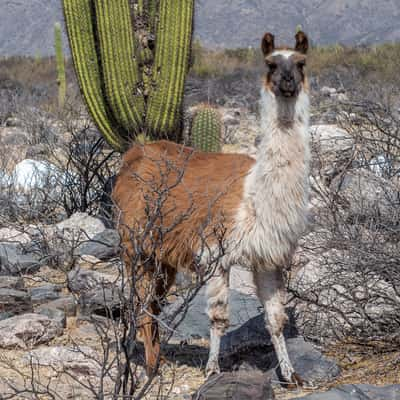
(131, 87)
(206, 132)
(60, 62)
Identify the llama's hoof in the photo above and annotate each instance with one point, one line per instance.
(212, 368)
(295, 382)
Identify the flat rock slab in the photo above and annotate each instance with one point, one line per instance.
(67, 304)
(82, 280)
(14, 302)
(28, 330)
(240, 385)
(357, 392)
(248, 342)
(11, 282)
(42, 294)
(196, 323)
(81, 360)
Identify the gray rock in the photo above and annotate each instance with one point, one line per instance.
(310, 363)
(80, 360)
(103, 246)
(13, 122)
(357, 392)
(196, 322)
(45, 293)
(240, 385)
(13, 235)
(66, 304)
(363, 194)
(11, 282)
(81, 280)
(80, 226)
(13, 136)
(251, 343)
(55, 315)
(105, 302)
(14, 262)
(24, 331)
(13, 302)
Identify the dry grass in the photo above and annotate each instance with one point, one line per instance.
(379, 62)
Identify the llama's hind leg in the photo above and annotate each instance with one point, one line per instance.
(218, 312)
(272, 294)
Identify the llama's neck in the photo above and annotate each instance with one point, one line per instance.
(273, 212)
(285, 141)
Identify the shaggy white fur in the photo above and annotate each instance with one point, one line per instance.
(270, 220)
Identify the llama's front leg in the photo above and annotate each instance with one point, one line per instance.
(272, 294)
(217, 310)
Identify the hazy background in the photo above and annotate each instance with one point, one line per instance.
(26, 26)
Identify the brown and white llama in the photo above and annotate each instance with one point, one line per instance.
(263, 203)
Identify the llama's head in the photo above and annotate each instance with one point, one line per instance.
(285, 76)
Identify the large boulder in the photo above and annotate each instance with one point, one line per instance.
(63, 240)
(32, 174)
(196, 324)
(14, 262)
(28, 330)
(362, 194)
(357, 392)
(330, 138)
(251, 344)
(344, 292)
(80, 226)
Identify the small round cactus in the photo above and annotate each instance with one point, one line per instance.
(206, 131)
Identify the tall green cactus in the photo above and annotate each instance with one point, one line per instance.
(60, 62)
(206, 131)
(131, 87)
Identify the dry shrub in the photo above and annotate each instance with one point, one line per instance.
(347, 285)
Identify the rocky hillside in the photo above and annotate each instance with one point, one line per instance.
(26, 26)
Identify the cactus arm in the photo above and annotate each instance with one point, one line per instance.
(171, 64)
(60, 62)
(79, 21)
(120, 72)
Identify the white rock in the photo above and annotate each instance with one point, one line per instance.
(30, 174)
(330, 138)
(82, 225)
(81, 360)
(28, 330)
(328, 91)
(14, 235)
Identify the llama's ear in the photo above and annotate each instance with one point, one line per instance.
(301, 42)
(268, 43)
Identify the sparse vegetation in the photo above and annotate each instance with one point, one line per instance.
(360, 234)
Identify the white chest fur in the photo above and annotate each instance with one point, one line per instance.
(272, 215)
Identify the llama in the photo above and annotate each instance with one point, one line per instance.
(263, 203)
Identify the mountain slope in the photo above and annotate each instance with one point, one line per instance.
(26, 26)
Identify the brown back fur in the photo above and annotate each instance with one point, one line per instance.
(201, 187)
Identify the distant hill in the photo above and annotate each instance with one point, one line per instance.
(26, 26)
